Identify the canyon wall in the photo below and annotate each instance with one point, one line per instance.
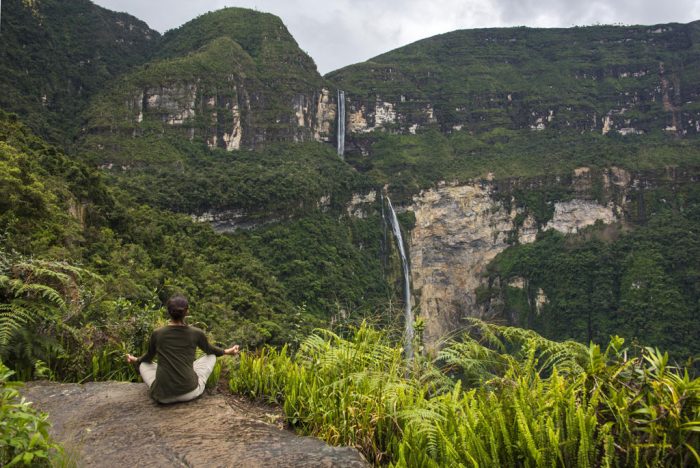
(460, 228)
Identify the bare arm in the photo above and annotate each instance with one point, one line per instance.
(232, 350)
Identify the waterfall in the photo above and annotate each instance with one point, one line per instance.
(408, 344)
(384, 240)
(341, 123)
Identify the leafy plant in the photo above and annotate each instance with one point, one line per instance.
(35, 289)
(24, 437)
(500, 396)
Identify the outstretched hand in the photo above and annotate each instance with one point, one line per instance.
(131, 359)
(232, 350)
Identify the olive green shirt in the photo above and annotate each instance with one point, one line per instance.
(175, 346)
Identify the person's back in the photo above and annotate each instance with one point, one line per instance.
(175, 347)
(177, 376)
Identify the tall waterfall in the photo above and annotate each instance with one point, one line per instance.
(408, 314)
(341, 123)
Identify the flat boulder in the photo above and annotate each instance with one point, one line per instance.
(116, 424)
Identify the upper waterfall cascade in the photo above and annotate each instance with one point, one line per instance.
(341, 123)
(408, 314)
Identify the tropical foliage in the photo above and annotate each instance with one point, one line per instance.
(24, 438)
(477, 80)
(636, 280)
(500, 396)
(55, 55)
(542, 160)
(325, 264)
(87, 257)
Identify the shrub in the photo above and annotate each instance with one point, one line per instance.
(24, 438)
(501, 396)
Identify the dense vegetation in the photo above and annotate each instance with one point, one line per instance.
(56, 54)
(638, 280)
(497, 397)
(24, 438)
(132, 256)
(234, 70)
(482, 79)
(88, 256)
(413, 162)
(263, 37)
(277, 181)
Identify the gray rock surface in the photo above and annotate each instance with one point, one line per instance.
(115, 424)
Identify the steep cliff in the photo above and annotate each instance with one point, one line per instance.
(619, 79)
(232, 79)
(460, 229)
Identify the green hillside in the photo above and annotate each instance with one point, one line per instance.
(643, 77)
(525, 102)
(134, 255)
(203, 162)
(55, 55)
(263, 36)
(231, 79)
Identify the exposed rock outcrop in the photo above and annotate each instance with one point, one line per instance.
(234, 79)
(459, 229)
(115, 424)
(571, 216)
(523, 78)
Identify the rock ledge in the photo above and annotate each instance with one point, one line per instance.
(115, 424)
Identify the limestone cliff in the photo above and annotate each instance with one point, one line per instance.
(459, 229)
(232, 79)
(611, 80)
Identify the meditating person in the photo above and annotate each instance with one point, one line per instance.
(177, 376)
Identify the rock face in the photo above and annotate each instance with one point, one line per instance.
(459, 229)
(610, 80)
(234, 79)
(226, 103)
(570, 216)
(115, 424)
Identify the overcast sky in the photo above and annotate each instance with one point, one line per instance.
(341, 32)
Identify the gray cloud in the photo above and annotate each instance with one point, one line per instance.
(340, 32)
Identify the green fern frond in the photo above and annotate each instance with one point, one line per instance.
(40, 290)
(13, 317)
(38, 269)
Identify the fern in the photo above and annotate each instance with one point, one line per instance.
(541, 404)
(12, 318)
(33, 290)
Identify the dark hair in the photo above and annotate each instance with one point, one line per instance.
(177, 307)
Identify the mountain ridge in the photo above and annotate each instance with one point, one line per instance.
(55, 55)
(513, 128)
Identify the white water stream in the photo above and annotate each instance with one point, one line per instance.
(408, 313)
(341, 123)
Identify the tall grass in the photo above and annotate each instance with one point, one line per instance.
(499, 397)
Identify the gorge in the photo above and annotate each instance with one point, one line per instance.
(478, 249)
(487, 141)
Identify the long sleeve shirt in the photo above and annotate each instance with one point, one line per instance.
(175, 347)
